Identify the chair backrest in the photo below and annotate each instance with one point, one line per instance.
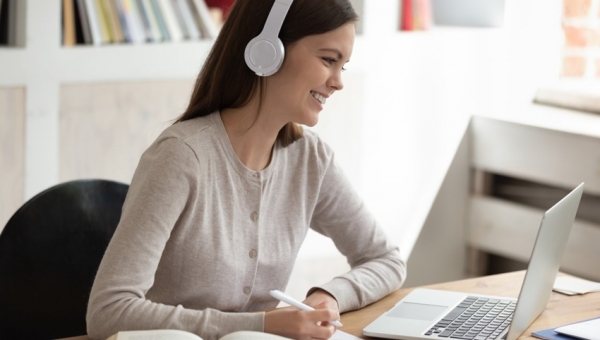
(50, 251)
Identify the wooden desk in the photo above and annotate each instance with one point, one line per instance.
(561, 309)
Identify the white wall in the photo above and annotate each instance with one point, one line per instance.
(412, 95)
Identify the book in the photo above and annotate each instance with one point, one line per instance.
(140, 31)
(217, 16)
(11, 24)
(107, 21)
(125, 25)
(224, 5)
(406, 19)
(79, 38)
(550, 334)
(415, 15)
(164, 32)
(188, 19)
(114, 21)
(425, 16)
(68, 20)
(132, 27)
(168, 14)
(553, 334)
(180, 20)
(207, 25)
(102, 22)
(172, 334)
(94, 25)
(4, 22)
(158, 334)
(144, 20)
(149, 21)
(84, 22)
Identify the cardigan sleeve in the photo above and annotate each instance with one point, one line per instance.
(165, 183)
(376, 267)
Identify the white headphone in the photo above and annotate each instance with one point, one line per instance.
(264, 54)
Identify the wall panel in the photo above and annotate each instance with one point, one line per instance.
(104, 128)
(12, 148)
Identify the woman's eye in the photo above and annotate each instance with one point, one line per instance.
(329, 60)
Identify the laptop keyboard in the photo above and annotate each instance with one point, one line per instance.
(475, 318)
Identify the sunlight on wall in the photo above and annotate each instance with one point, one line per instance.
(417, 90)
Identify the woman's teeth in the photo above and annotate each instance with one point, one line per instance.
(319, 97)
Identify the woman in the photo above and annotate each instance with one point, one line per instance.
(221, 202)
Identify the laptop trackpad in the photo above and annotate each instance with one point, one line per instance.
(417, 311)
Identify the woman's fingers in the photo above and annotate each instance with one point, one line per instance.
(323, 315)
(322, 329)
(303, 325)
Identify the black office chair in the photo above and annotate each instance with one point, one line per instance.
(50, 251)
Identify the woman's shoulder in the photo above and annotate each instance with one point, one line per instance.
(190, 135)
(189, 129)
(313, 143)
(310, 151)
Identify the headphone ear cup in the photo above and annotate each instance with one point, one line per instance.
(264, 56)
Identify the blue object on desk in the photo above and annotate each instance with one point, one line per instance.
(550, 334)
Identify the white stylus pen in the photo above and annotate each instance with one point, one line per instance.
(279, 295)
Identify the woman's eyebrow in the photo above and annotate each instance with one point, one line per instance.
(339, 54)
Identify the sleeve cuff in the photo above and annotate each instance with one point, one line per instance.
(343, 291)
(232, 322)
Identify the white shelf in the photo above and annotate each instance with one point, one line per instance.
(13, 76)
(131, 62)
(548, 117)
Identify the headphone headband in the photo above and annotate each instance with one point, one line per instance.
(265, 53)
(276, 17)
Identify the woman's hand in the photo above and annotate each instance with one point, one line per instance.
(318, 297)
(302, 325)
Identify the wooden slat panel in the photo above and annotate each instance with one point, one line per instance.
(509, 229)
(12, 148)
(541, 155)
(104, 128)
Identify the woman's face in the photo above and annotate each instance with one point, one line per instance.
(311, 73)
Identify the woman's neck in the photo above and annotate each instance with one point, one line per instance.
(252, 137)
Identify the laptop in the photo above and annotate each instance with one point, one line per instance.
(437, 314)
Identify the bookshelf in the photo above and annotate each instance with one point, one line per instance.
(41, 66)
(37, 74)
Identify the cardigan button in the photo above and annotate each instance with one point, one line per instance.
(246, 290)
(254, 216)
(253, 253)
